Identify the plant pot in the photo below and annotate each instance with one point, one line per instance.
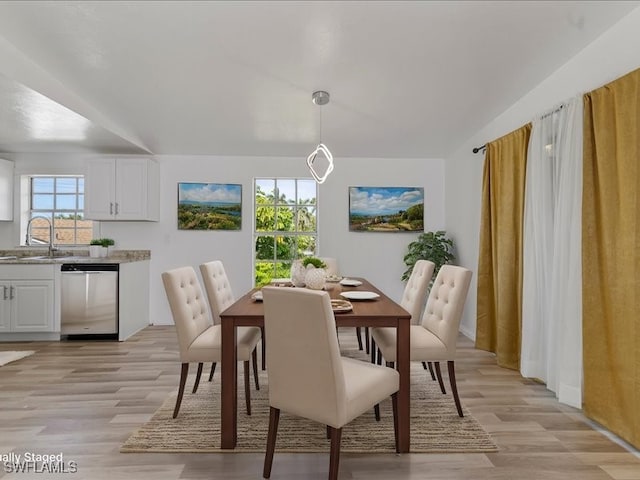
(95, 251)
(104, 252)
(315, 278)
(298, 272)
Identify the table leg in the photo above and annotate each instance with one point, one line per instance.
(229, 379)
(402, 364)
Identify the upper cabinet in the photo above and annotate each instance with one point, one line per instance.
(122, 189)
(6, 190)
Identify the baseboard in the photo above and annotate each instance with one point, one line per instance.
(471, 335)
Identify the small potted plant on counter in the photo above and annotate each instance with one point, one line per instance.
(99, 247)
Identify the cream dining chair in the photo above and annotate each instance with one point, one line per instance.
(199, 340)
(434, 340)
(308, 377)
(220, 295)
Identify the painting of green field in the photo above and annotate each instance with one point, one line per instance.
(209, 206)
(386, 209)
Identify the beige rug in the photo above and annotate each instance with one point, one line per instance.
(12, 356)
(435, 424)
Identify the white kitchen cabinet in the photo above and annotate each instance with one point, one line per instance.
(27, 299)
(6, 190)
(122, 189)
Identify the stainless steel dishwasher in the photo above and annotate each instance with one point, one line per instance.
(89, 299)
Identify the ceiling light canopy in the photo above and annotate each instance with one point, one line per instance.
(320, 98)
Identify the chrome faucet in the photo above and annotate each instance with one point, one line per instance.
(29, 237)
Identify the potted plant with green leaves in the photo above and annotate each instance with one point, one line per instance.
(315, 275)
(95, 248)
(107, 243)
(433, 246)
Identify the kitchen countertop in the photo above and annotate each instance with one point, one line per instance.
(40, 257)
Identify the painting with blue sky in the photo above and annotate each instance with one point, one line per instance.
(209, 206)
(386, 209)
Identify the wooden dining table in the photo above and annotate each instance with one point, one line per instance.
(378, 312)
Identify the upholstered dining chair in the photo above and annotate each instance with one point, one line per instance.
(331, 265)
(199, 340)
(308, 377)
(220, 296)
(434, 340)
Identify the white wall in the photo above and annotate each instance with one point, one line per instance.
(612, 55)
(377, 256)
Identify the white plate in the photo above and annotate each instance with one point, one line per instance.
(356, 295)
(333, 278)
(257, 296)
(350, 282)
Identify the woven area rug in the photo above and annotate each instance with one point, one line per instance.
(435, 424)
(12, 356)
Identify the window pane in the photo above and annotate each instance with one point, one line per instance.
(265, 248)
(80, 202)
(42, 184)
(65, 185)
(306, 246)
(65, 202)
(264, 273)
(286, 191)
(285, 247)
(39, 235)
(285, 221)
(306, 219)
(42, 202)
(307, 191)
(266, 186)
(64, 236)
(265, 219)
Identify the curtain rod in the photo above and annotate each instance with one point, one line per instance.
(555, 110)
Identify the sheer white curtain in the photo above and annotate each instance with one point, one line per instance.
(552, 256)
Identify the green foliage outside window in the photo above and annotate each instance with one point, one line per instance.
(285, 229)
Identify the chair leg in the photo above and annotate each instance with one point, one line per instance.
(247, 392)
(254, 358)
(264, 350)
(373, 350)
(439, 375)
(198, 374)
(328, 432)
(334, 456)
(379, 357)
(366, 339)
(394, 403)
(376, 411)
(454, 387)
(430, 365)
(183, 381)
(274, 417)
(213, 370)
(359, 336)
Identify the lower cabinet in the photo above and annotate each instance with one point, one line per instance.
(27, 301)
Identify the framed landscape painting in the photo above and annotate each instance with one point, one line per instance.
(209, 206)
(386, 209)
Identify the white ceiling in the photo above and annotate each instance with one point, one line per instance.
(407, 79)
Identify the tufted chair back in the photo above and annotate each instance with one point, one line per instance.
(218, 288)
(331, 265)
(305, 370)
(188, 306)
(445, 305)
(415, 292)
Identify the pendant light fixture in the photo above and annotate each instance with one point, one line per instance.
(320, 98)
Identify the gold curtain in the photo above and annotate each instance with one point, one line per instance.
(499, 306)
(611, 256)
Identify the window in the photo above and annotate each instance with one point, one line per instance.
(285, 224)
(60, 199)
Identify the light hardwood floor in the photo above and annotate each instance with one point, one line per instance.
(83, 399)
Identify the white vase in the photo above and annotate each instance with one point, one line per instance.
(315, 278)
(95, 251)
(298, 272)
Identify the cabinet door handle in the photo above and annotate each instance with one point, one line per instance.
(111, 208)
(11, 294)
(117, 208)
(5, 293)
